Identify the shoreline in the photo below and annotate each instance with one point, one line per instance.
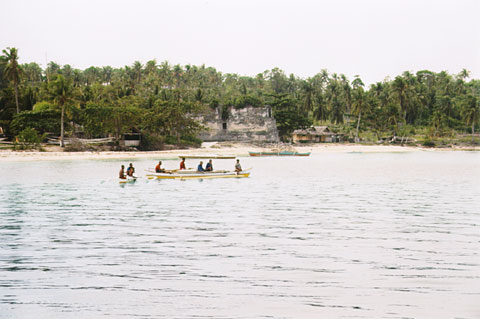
(234, 149)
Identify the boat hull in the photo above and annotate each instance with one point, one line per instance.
(197, 175)
(283, 153)
(127, 180)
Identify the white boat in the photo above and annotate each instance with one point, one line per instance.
(189, 174)
(194, 174)
(207, 156)
(129, 179)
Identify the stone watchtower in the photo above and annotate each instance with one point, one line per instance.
(247, 124)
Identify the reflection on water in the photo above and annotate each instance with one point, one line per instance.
(334, 235)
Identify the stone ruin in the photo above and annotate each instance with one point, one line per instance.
(248, 124)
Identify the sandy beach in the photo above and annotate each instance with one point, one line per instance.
(236, 149)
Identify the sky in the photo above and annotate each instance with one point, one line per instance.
(375, 39)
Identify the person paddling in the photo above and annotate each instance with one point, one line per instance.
(238, 167)
(121, 174)
(158, 168)
(182, 164)
(209, 166)
(130, 170)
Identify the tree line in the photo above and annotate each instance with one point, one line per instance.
(161, 101)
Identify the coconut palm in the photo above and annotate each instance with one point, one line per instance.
(308, 91)
(61, 90)
(471, 111)
(13, 71)
(358, 103)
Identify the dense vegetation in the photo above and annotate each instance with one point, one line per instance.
(161, 101)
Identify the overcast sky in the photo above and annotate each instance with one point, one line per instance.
(372, 38)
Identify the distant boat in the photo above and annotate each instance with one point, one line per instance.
(279, 153)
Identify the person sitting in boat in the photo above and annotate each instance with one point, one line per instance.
(158, 168)
(209, 166)
(121, 174)
(182, 164)
(130, 170)
(238, 167)
(200, 167)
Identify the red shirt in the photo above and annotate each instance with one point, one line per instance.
(182, 165)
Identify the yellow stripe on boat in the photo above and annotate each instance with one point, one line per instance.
(197, 175)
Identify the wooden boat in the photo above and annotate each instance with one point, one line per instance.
(207, 156)
(129, 179)
(194, 174)
(189, 174)
(279, 153)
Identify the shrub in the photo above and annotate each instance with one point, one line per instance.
(42, 121)
(428, 143)
(77, 146)
(151, 142)
(190, 141)
(30, 138)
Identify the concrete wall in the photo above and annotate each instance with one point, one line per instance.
(243, 125)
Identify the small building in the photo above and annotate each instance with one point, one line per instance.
(316, 134)
(132, 139)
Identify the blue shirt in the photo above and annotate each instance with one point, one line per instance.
(209, 167)
(200, 168)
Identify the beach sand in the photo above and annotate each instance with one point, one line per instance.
(223, 148)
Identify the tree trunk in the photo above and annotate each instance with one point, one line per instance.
(473, 130)
(62, 128)
(358, 126)
(16, 97)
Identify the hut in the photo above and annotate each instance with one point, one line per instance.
(316, 134)
(132, 139)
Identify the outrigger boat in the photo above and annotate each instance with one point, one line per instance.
(129, 179)
(198, 175)
(194, 174)
(279, 153)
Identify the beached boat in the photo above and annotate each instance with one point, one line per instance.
(279, 153)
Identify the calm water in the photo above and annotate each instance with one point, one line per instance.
(330, 236)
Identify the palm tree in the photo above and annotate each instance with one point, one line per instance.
(61, 91)
(308, 91)
(471, 111)
(400, 90)
(347, 91)
(320, 111)
(358, 103)
(464, 74)
(13, 71)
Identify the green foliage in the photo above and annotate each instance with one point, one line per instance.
(98, 120)
(43, 122)
(30, 138)
(161, 99)
(170, 119)
(151, 142)
(225, 112)
(190, 141)
(12, 70)
(288, 121)
(428, 143)
(243, 101)
(44, 106)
